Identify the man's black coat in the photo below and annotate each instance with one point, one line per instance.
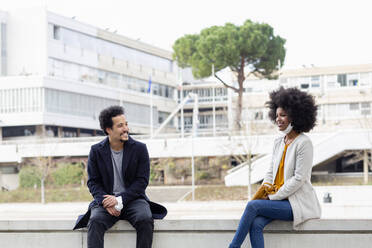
(136, 172)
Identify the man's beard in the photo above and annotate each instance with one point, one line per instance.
(122, 140)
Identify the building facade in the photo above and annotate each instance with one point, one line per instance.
(343, 95)
(59, 73)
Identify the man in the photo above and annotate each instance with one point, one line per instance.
(118, 174)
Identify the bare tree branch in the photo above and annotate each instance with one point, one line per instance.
(226, 85)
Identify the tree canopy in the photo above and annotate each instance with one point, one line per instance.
(251, 48)
(252, 44)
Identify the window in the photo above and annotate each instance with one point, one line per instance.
(315, 78)
(162, 116)
(166, 91)
(353, 82)
(341, 79)
(332, 84)
(331, 81)
(354, 106)
(365, 108)
(19, 131)
(304, 86)
(364, 79)
(258, 115)
(155, 89)
(366, 111)
(108, 48)
(352, 79)
(366, 105)
(101, 76)
(56, 32)
(8, 170)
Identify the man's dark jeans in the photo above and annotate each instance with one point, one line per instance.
(138, 214)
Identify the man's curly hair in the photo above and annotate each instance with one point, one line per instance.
(105, 117)
(300, 107)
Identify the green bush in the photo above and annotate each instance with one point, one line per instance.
(68, 174)
(202, 175)
(29, 176)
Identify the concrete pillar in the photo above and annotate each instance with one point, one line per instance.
(40, 131)
(77, 132)
(60, 132)
(1, 134)
(365, 167)
(1, 180)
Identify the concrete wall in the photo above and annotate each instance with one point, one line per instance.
(9, 181)
(189, 233)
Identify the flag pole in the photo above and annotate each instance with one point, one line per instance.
(182, 116)
(151, 110)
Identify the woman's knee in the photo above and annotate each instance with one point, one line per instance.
(253, 205)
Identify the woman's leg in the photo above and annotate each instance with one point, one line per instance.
(256, 231)
(280, 210)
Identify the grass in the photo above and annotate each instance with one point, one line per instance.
(70, 194)
(79, 194)
(221, 193)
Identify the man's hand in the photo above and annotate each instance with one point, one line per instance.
(113, 211)
(109, 201)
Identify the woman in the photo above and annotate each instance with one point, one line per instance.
(294, 112)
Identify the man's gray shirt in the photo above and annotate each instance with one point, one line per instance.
(117, 159)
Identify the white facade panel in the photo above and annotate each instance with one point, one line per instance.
(27, 42)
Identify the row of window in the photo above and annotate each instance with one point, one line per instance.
(205, 121)
(58, 68)
(63, 102)
(364, 108)
(50, 131)
(100, 46)
(90, 106)
(333, 111)
(21, 100)
(206, 94)
(330, 81)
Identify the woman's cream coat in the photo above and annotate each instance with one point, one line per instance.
(297, 187)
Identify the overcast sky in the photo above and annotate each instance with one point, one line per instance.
(318, 32)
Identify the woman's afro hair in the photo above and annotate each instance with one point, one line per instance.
(300, 107)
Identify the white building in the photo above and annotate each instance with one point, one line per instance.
(59, 73)
(343, 95)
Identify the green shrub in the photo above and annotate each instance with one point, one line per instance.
(202, 175)
(29, 176)
(68, 174)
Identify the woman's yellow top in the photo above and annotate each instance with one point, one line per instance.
(279, 179)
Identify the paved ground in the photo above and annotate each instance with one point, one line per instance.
(168, 193)
(348, 202)
(184, 210)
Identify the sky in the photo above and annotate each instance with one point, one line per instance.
(317, 32)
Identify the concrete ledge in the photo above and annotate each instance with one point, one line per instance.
(185, 233)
